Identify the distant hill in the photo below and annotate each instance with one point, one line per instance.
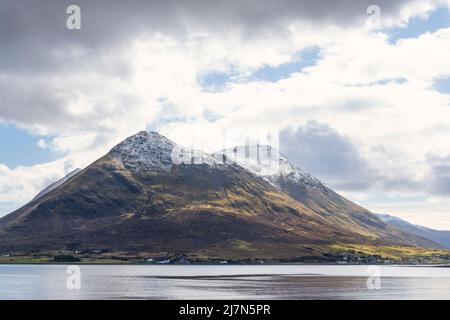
(139, 199)
(440, 237)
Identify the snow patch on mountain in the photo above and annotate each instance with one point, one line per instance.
(150, 151)
(290, 172)
(268, 163)
(144, 151)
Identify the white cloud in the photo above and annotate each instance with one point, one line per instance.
(42, 144)
(23, 183)
(107, 93)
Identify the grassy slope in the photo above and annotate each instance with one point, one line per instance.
(393, 252)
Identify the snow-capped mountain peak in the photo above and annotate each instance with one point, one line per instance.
(150, 151)
(144, 151)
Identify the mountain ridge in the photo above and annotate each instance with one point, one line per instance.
(148, 195)
(441, 237)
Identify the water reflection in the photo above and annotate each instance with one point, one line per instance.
(223, 282)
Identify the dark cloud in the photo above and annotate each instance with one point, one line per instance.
(322, 151)
(325, 153)
(39, 102)
(33, 32)
(36, 43)
(36, 103)
(440, 174)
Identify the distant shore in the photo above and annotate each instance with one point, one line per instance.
(49, 261)
(336, 254)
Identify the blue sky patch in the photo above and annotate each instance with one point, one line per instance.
(442, 85)
(217, 80)
(438, 19)
(19, 148)
(7, 207)
(303, 59)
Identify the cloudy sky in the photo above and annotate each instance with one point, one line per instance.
(361, 99)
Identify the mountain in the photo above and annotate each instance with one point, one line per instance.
(58, 183)
(311, 192)
(441, 237)
(151, 197)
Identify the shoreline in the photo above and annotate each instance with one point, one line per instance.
(221, 264)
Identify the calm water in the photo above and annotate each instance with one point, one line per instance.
(224, 282)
